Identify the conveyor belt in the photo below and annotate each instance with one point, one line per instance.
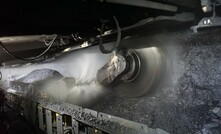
(44, 112)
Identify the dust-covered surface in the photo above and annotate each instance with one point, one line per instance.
(189, 100)
(29, 84)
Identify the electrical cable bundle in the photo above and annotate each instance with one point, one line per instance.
(101, 46)
(31, 58)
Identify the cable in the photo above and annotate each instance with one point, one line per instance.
(67, 129)
(32, 58)
(216, 3)
(101, 46)
(0, 75)
(47, 44)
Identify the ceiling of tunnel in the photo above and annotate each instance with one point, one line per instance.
(66, 17)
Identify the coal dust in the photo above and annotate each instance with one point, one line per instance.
(178, 87)
(71, 77)
(187, 100)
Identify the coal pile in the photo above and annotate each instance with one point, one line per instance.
(188, 100)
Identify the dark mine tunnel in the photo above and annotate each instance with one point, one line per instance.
(110, 67)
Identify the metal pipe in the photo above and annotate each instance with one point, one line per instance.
(145, 3)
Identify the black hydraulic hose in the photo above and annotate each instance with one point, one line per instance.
(0, 75)
(101, 46)
(32, 58)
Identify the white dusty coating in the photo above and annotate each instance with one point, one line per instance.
(79, 66)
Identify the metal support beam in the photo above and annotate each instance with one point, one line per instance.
(90, 130)
(145, 3)
(40, 118)
(49, 121)
(75, 126)
(33, 113)
(59, 123)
